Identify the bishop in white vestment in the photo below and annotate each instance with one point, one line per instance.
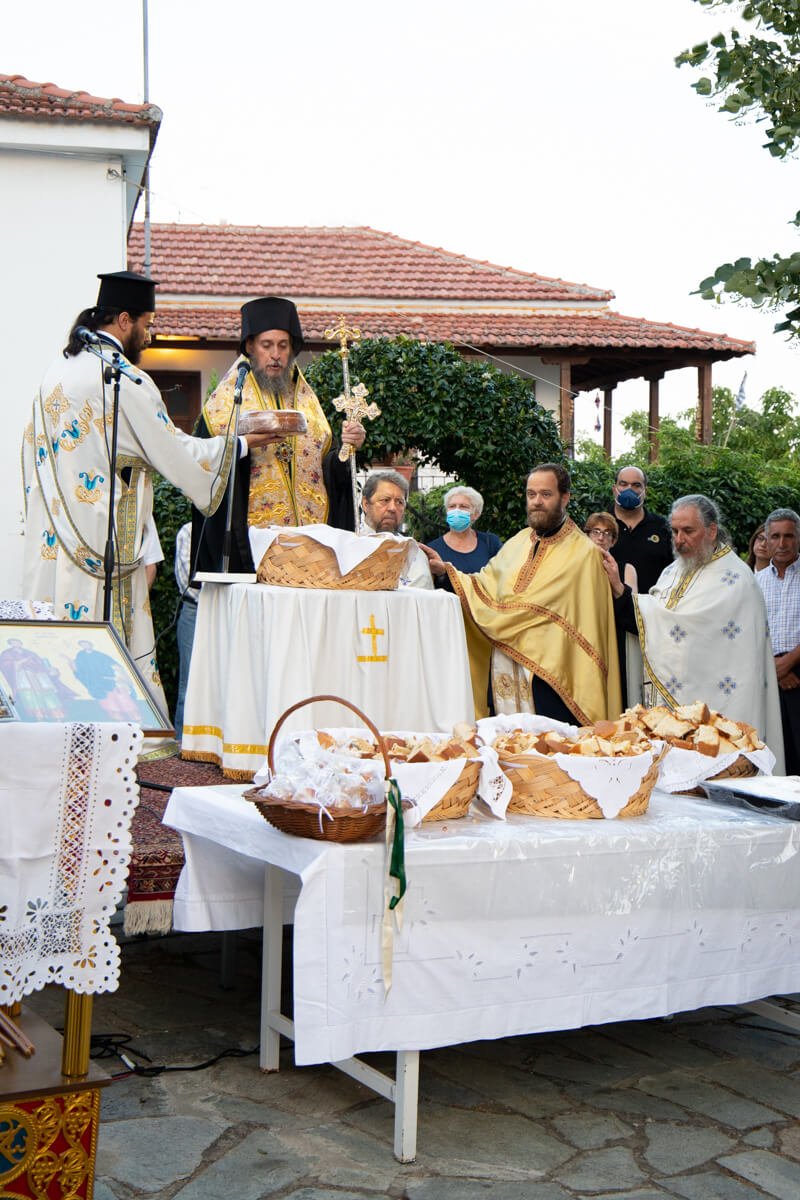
(703, 627)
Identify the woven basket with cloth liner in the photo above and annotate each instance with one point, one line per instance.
(457, 799)
(741, 768)
(308, 820)
(294, 560)
(540, 788)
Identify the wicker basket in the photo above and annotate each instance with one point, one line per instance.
(457, 799)
(307, 820)
(740, 768)
(540, 788)
(294, 560)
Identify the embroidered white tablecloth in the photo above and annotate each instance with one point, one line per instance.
(399, 656)
(510, 927)
(67, 795)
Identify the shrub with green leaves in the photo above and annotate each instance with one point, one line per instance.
(477, 423)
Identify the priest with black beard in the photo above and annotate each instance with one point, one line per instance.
(292, 480)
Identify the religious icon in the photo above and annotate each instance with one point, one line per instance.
(72, 671)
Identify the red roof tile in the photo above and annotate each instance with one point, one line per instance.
(23, 98)
(532, 331)
(248, 260)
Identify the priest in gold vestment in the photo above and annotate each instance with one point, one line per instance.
(541, 617)
(291, 481)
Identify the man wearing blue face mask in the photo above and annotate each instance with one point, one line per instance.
(644, 540)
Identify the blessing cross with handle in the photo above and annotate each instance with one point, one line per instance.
(353, 404)
(355, 408)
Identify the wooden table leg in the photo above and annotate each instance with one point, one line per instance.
(269, 1053)
(406, 1105)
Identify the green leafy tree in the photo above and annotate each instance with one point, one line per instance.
(474, 421)
(771, 435)
(749, 468)
(754, 71)
(171, 509)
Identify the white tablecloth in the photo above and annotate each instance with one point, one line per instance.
(509, 928)
(399, 656)
(67, 795)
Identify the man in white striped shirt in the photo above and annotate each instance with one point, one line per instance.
(780, 583)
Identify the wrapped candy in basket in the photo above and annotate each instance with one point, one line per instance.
(573, 774)
(332, 798)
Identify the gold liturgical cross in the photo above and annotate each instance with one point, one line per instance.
(373, 632)
(343, 334)
(355, 408)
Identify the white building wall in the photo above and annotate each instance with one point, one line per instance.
(544, 377)
(63, 219)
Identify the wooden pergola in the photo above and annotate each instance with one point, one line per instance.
(602, 371)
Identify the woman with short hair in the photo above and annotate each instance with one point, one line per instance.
(603, 529)
(467, 548)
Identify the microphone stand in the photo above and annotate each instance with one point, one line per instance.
(115, 368)
(237, 408)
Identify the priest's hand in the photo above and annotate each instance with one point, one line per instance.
(262, 439)
(353, 434)
(434, 561)
(612, 571)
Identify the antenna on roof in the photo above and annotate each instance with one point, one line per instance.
(146, 63)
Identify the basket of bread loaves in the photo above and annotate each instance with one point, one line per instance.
(318, 556)
(702, 744)
(574, 773)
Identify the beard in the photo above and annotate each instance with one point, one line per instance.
(133, 350)
(545, 521)
(693, 562)
(279, 385)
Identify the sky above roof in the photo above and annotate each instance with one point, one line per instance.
(556, 138)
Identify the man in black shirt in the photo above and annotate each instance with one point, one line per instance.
(645, 539)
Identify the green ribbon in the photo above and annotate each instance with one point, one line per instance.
(397, 863)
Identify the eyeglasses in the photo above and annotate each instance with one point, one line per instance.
(600, 535)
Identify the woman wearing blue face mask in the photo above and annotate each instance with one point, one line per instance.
(467, 548)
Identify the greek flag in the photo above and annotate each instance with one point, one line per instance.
(740, 393)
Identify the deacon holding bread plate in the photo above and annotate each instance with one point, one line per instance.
(703, 627)
(296, 478)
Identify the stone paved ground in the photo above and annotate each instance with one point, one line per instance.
(701, 1107)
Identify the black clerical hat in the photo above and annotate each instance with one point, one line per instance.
(271, 312)
(126, 291)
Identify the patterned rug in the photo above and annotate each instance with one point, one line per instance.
(158, 851)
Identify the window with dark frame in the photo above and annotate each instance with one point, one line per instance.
(181, 392)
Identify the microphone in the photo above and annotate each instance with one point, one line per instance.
(87, 336)
(241, 375)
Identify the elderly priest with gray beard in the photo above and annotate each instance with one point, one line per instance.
(702, 628)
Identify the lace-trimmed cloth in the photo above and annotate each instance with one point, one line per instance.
(26, 610)
(67, 795)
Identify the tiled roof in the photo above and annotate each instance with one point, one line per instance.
(321, 262)
(22, 98)
(597, 330)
